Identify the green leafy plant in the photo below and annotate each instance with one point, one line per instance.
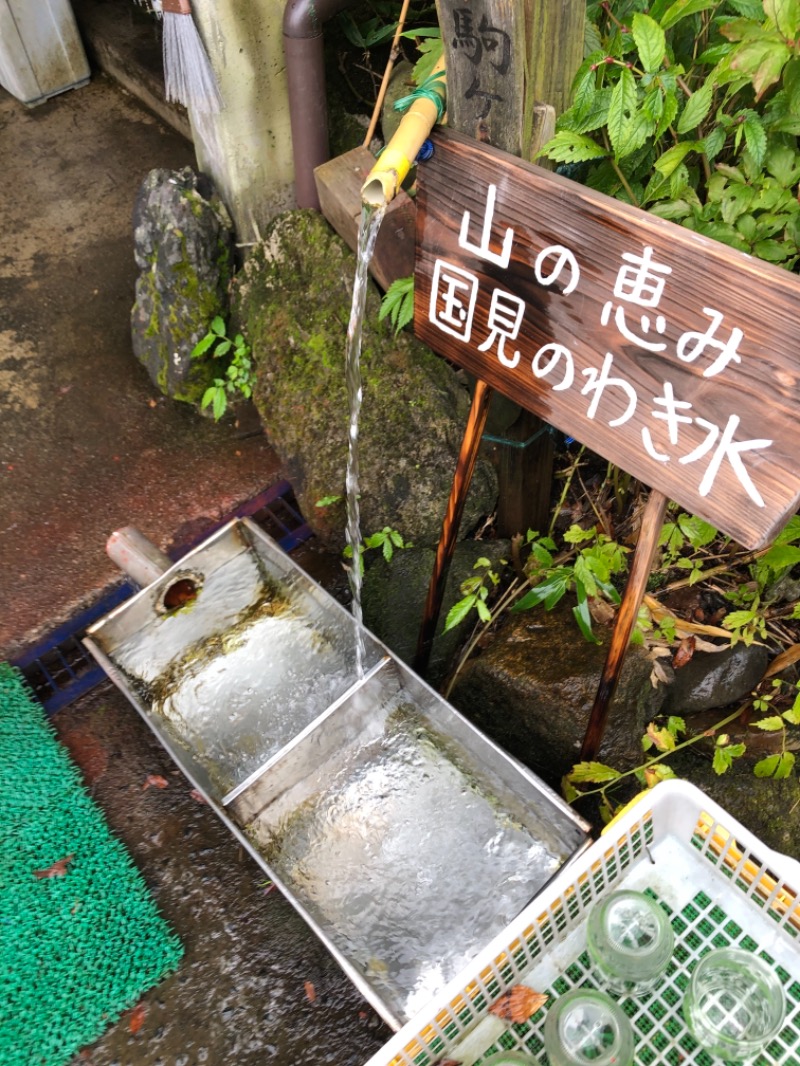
(368, 33)
(598, 779)
(585, 567)
(398, 303)
(691, 109)
(475, 592)
(387, 539)
(238, 374)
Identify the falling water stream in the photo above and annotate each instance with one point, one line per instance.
(371, 218)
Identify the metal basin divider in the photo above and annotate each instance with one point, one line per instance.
(403, 835)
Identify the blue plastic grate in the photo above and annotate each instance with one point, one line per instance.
(58, 668)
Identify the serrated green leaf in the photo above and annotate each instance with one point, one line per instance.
(670, 111)
(484, 613)
(592, 773)
(722, 760)
(428, 31)
(220, 403)
(697, 531)
(673, 157)
(569, 147)
(203, 345)
(762, 61)
(756, 138)
(326, 501)
(775, 766)
(622, 111)
(673, 211)
(583, 93)
(650, 41)
(430, 52)
(676, 724)
(568, 790)
(785, 14)
(751, 9)
(596, 115)
(582, 614)
(737, 619)
(780, 556)
(713, 143)
(769, 725)
(681, 8)
(218, 325)
(459, 611)
(697, 107)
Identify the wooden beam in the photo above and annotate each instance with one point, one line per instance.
(652, 521)
(339, 184)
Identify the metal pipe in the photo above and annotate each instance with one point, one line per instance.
(397, 158)
(303, 22)
(137, 556)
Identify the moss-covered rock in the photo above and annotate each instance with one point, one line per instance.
(294, 297)
(533, 688)
(183, 243)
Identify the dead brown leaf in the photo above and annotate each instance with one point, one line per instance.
(519, 1004)
(311, 992)
(58, 869)
(684, 652)
(136, 1020)
(601, 611)
(156, 780)
(780, 662)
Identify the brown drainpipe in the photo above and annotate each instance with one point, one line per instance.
(303, 21)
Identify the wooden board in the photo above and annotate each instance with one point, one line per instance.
(339, 184)
(670, 354)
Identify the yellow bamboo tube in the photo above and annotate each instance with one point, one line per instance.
(395, 161)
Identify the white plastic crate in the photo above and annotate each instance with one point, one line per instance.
(719, 885)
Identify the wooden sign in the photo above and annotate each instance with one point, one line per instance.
(670, 354)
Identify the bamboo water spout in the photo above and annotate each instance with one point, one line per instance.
(397, 158)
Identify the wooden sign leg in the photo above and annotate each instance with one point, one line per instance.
(641, 565)
(470, 443)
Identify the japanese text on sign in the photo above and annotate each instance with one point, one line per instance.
(673, 356)
(637, 290)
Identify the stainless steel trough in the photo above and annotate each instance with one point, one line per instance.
(403, 835)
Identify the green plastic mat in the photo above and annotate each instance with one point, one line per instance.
(80, 936)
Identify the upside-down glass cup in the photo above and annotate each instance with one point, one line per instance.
(587, 1028)
(734, 1004)
(630, 943)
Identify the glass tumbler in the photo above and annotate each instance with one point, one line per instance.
(630, 942)
(734, 1004)
(586, 1028)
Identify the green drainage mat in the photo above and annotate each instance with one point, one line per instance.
(80, 937)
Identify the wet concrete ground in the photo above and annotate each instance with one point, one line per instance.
(88, 445)
(243, 993)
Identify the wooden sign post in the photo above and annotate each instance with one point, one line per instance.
(671, 355)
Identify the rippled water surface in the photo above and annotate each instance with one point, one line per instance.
(408, 858)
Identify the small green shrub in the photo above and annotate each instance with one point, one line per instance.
(238, 374)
